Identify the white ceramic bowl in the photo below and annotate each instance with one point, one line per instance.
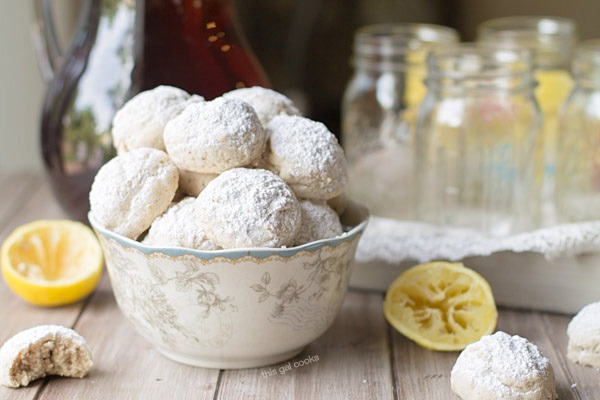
(232, 308)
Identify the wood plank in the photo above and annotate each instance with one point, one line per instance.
(34, 200)
(126, 366)
(421, 373)
(353, 362)
(584, 382)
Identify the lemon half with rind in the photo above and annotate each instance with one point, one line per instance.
(52, 262)
(441, 306)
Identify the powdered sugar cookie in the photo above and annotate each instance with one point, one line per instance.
(501, 366)
(215, 136)
(43, 350)
(319, 221)
(132, 189)
(192, 183)
(262, 162)
(179, 227)
(249, 208)
(339, 203)
(266, 102)
(141, 121)
(584, 336)
(307, 157)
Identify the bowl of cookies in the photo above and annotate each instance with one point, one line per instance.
(227, 235)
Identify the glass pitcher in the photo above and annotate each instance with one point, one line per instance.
(475, 140)
(122, 47)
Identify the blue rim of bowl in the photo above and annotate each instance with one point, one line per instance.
(257, 252)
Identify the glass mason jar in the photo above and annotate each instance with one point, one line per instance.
(551, 40)
(475, 139)
(577, 191)
(378, 112)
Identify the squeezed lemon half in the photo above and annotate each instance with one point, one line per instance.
(441, 306)
(52, 262)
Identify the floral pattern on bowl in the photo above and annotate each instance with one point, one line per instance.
(231, 308)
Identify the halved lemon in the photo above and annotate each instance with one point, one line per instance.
(441, 306)
(52, 262)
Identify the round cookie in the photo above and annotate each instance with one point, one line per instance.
(132, 189)
(141, 121)
(584, 336)
(501, 366)
(266, 102)
(192, 183)
(249, 208)
(215, 136)
(179, 227)
(319, 221)
(307, 157)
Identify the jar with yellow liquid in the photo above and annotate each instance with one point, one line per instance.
(378, 113)
(577, 191)
(475, 139)
(551, 40)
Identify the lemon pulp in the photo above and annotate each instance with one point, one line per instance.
(441, 306)
(51, 262)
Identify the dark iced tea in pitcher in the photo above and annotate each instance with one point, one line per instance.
(121, 48)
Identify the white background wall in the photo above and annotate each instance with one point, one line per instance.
(21, 84)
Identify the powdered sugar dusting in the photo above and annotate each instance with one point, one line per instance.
(266, 102)
(584, 336)
(319, 221)
(215, 136)
(179, 227)
(205, 140)
(141, 121)
(307, 156)
(586, 323)
(501, 366)
(192, 183)
(132, 189)
(249, 208)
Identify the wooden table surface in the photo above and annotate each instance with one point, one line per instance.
(360, 357)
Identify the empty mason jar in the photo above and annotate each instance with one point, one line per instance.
(378, 113)
(475, 140)
(577, 191)
(551, 41)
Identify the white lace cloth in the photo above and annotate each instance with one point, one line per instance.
(393, 241)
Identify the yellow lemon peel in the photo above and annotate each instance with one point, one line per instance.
(51, 262)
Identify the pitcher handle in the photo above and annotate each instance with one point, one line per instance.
(48, 50)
